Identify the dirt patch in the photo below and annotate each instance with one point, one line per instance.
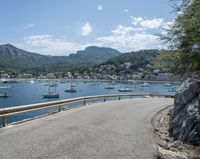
(166, 146)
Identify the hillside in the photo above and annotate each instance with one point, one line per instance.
(129, 62)
(18, 60)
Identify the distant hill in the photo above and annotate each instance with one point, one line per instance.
(93, 53)
(18, 60)
(15, 59)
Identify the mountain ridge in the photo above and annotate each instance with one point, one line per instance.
(13, 58)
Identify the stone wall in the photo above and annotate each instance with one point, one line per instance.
(185, 115)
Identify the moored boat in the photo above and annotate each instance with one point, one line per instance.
(167, 84)
(4, 91)
(51, 94)
(126, 89)
(9, 81)
(145, 84)
(109, 87)
(71, 90)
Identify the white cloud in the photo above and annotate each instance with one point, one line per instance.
(127, 38)
(122, 30)
(86, 29)
(126, 10)
(125, 30)
(100, 7)
(154, 23)
(29, 26)
(136, 20)
(50, 45)
(136, 41)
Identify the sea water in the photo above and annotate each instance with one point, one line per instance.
(23, 93)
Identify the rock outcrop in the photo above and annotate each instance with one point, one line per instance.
(185, 116)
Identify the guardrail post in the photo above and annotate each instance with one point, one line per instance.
(4, 121)
(119, 98)
(59, 108)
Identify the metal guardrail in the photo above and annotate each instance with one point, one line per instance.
(6, 112)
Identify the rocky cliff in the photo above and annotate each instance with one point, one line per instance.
(185, 116)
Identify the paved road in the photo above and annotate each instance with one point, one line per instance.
(111, 130)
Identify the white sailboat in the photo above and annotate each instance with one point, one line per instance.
(51, 93)
(71, 89)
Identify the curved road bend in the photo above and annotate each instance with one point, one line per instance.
(111, 130)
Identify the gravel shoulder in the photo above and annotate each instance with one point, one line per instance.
(166, 146)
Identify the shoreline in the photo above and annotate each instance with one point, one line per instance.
(87, 80)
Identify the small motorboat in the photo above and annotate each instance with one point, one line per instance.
(31, 81)
(109, 87)
(71, 90)
(9, 81)
(126, 89)
(145, 85)
(167, 84)
(63, 81)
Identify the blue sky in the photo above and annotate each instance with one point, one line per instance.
(60, 27)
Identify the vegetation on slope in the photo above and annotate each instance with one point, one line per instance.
(184, 37)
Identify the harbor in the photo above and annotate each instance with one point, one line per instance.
(26, 92)
(31, 91)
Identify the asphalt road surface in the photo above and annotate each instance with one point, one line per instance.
(110, 130)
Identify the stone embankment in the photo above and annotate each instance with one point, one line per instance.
(185, 116)
(178, 127)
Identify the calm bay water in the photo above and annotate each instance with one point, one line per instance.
(28, 93)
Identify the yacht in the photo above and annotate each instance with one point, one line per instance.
(4, 91)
